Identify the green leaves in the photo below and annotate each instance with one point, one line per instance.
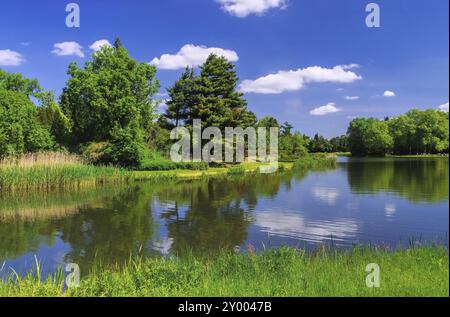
(211, 97)
(369, 137)
(110, 100)
(20, 131)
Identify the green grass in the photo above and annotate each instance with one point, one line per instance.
(49, 171)
(316, 161)
(47, 177)
(420, 271)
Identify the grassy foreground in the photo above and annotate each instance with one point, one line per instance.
(282, 272)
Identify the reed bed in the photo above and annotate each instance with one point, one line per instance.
(54, 170)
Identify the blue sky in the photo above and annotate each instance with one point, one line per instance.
(295, 58)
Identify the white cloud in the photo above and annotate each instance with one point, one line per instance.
(191, 55)
(25, 43)
(293, 80)
(324, 110)
(244, 8)
(97, 45)
(10, 58)
(67, 49)
(389, 93)
(444, 107)
(351, 97)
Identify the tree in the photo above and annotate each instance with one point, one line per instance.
(216, 100)
(16, 82)
(319, 144)
(268, 122)
(111, 93)
(369, 137)
(181, 98)
(291, 147)
(20, 131)
(51, 116)
(339, 144)
(286, 129)
(419, 132)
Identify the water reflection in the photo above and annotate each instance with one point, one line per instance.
(361, 201)
(418, 180)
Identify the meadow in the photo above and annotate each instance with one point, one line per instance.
(417, 271)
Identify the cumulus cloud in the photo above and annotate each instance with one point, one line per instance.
(389, 93)
(444, 107)
(97, 45)
(293, 80)
(244, 8)
(193, 56)
(10, 58)
(68, 49)
(351, 97)
(324, 110)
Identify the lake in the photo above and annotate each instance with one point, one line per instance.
(389, 202)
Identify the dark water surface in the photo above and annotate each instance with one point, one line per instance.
(382, 201)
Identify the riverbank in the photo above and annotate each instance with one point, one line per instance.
(49, 171)
(422, 271)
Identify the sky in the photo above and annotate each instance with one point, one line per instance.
(314, 63)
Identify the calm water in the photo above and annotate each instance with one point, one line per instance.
(362, 201)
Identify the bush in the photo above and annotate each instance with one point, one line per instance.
(20, 131)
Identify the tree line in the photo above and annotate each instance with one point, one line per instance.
(108, 113)
(415, 132)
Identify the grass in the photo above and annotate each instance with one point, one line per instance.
(316, 161)
(54, 170)
(420, 271)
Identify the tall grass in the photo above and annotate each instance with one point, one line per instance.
(53, 170)
(316, 161)
(417, 271)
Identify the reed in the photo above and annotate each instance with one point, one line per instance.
(54, 170)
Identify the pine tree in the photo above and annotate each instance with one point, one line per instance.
(216, 100)
(181, 97)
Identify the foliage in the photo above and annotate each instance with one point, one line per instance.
(51, 116)
(20, 131)
(291, 147)
(211, 97)
(369, 137)
(318, 144)
(339, 144)
(16, 82)
(419, 132)
(181, 98)
(109, 100)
